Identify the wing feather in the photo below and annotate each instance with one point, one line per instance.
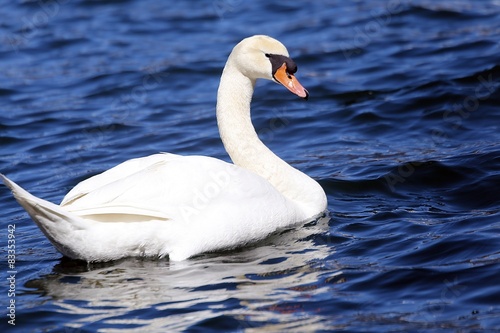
(165, 187)
(114, 174)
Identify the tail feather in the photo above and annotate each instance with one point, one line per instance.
(57, 224)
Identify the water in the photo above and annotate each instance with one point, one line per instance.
(401, 130)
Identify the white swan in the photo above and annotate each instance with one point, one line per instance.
(180, 206)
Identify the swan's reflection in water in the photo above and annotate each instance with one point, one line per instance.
(235, 289)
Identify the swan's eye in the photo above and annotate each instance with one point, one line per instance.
(268, 55)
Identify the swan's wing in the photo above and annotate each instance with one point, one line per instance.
(167, 188)
(116, 173)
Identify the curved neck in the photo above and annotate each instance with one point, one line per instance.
(247, 150)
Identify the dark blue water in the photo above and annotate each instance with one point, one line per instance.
(401, 130)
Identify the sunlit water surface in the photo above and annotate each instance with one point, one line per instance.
(401, 130)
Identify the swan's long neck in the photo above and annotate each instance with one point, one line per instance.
(247, 150)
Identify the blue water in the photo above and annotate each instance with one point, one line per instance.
(401, 130)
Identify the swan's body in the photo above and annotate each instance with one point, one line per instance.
(180, 206)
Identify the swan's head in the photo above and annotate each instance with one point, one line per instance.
(263, 57)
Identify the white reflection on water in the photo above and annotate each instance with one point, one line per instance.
(247, 285)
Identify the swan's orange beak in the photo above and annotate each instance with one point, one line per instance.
(290, 82)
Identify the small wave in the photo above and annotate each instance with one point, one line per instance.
(470, 185)
(445, 11)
